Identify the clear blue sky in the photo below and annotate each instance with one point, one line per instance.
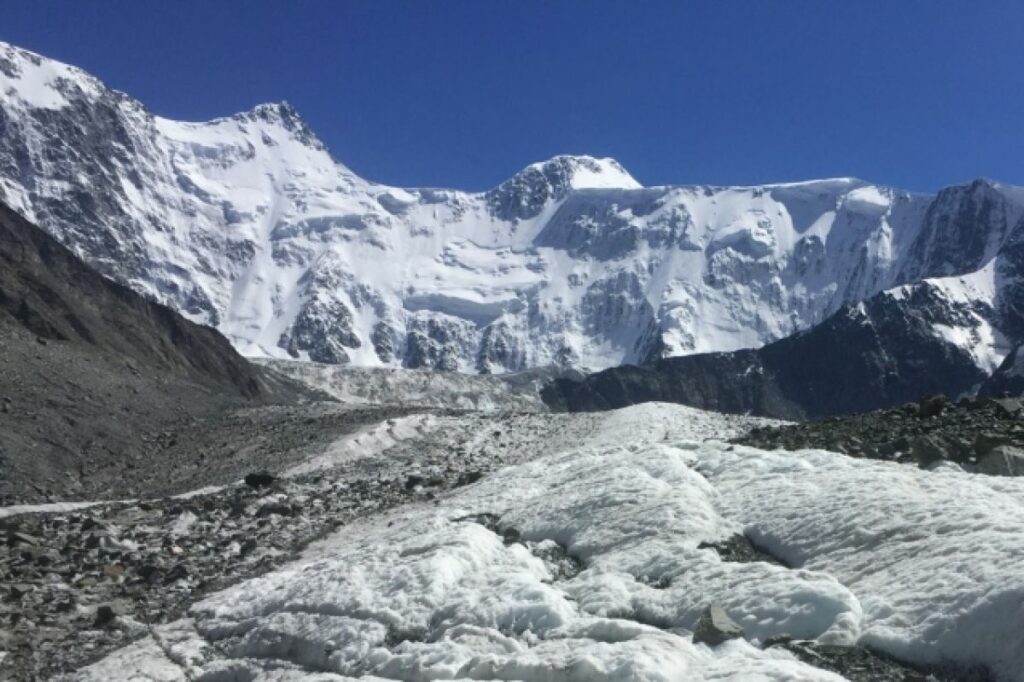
(918, 94)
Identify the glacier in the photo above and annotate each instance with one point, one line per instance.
(587, 561)
(246, 223)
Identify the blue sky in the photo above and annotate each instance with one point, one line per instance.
(918, 94)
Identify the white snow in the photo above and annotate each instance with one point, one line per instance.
(924, 565)
(247, 220)
(972, 299)
(38, 82)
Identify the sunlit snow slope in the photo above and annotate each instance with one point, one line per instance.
(248, 224)
(585, 564)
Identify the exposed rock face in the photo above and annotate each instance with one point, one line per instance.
(1008, 377)
(323, 330)
(99, 387)
(880, 353)
(246, 223)
(47, 291)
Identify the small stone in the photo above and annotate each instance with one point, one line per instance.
(149, 573)
(260, 479)
(89, 523)
(19, 590)
(177, 573)
(104, 616)
(113, 570)
(468, 477)
(15, 538)
(715, 626)
(271, 508)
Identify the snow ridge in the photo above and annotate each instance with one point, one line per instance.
(246, 223)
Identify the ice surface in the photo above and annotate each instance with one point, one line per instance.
(585, 564)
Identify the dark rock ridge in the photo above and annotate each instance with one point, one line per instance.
(876, 354)
(99, 386)
(48, 291)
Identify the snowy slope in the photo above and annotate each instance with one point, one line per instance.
(585, 564)
(248, 224)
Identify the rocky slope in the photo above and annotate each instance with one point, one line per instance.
(246, 223)
(984, 435)
(103, 392)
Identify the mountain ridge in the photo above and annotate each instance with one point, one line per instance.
(246, 223)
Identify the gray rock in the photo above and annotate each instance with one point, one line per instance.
(17, 538)
(715, 626)
(932, 406)
(1007, 408)
(271, 508)
(986, 441)
(929, 449)
(104, 615)
(1003, 460)
(259, 479)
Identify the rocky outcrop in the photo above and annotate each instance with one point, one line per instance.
(47, 291)
(101, 389)
(323, 330)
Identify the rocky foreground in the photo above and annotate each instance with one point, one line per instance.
(81, 582)
(983, 435)
(524, 544)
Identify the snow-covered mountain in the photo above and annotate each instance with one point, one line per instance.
(248, 224)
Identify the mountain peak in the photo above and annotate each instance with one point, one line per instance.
(286, 116)
(40, 82)
(526, 193)
(584, 172)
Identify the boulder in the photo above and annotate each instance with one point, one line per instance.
(259, 479)
(932, 406)
(1006, 408)
(105, 615)
(1003, 460)
(986, 441)
(715, 626)
(272, 508)
(928, 450)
